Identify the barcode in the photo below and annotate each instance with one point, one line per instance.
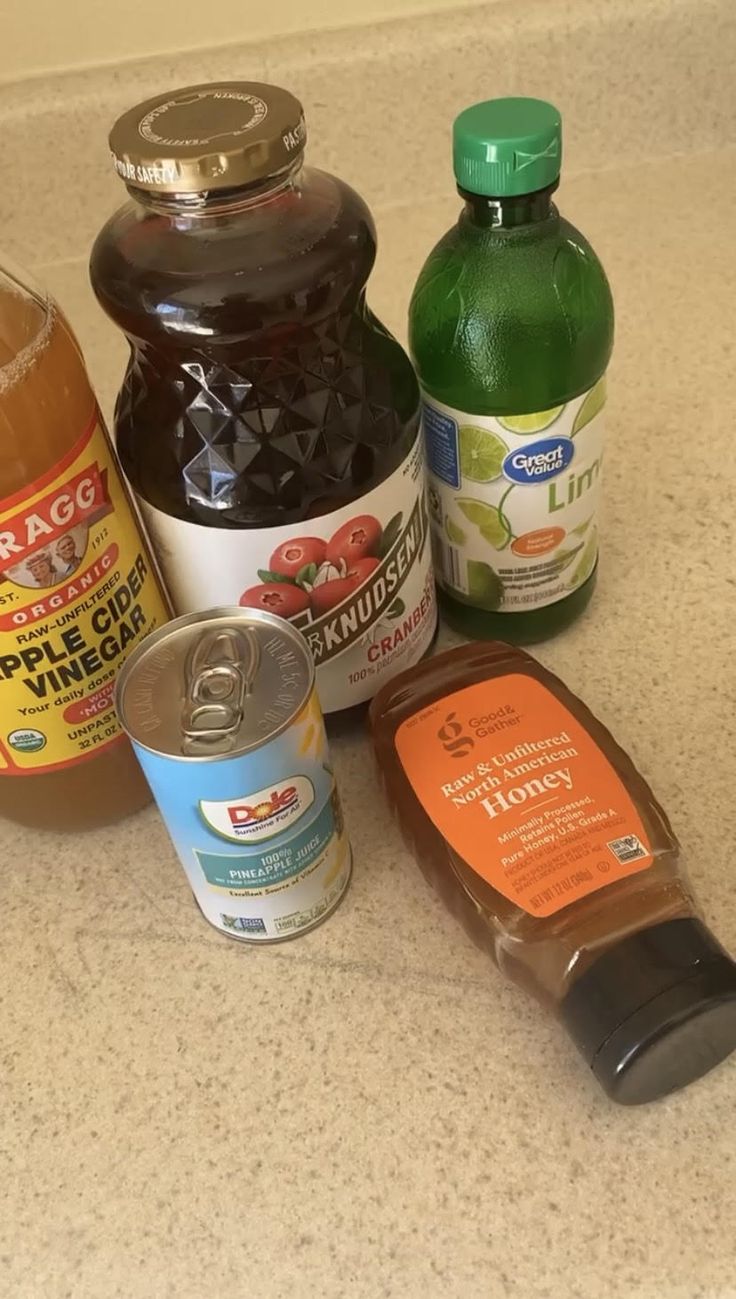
(447, 561)
(627, 849)
(300, 919)
(244, 924)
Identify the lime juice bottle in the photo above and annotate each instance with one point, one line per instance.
(511, 329)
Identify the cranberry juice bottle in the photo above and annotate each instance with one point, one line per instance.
(268, 423)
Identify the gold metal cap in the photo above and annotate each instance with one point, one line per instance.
(215, 136)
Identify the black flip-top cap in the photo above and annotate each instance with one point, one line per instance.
(655, 1011)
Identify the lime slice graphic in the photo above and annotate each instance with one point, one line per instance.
(530, 423)
(594, 402)
(488, 518)
(586, 563)
(582, 528)
(481, 454)
(564, 558)
(496, 534)
(485, 588)
(454, 532)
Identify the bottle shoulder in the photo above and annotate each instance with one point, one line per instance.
(311, 206)
(316, 234)
(489, 305)
(497, 262)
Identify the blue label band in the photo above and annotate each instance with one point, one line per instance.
(262, 870)
(440, 440)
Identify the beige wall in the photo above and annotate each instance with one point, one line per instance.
(40, 35)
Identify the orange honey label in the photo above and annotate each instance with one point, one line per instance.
(77, 594)
(522, 793)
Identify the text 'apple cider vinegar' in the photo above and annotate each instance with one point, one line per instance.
(77, 585)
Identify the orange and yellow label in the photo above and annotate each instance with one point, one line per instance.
(77, 593)
(522, 793)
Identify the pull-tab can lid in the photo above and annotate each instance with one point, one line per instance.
(219, 673)
(214, 684)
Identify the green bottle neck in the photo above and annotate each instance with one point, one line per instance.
(511, 211)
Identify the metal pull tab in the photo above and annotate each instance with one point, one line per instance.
(219, 673)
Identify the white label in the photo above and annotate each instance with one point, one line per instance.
(356, 582)
(513, 501)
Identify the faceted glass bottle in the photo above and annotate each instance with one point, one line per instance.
(267, 422)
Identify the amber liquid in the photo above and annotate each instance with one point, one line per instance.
(544, 955)
(260, 389)
(45, 404)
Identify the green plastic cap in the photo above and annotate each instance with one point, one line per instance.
(507, 146)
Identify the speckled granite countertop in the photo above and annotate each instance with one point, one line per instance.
(370, 1110)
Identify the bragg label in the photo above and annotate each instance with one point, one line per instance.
(356, 582)
(76, 593)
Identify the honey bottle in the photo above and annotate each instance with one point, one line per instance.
(550, 848)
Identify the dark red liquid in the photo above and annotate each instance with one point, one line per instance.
(260, 389)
